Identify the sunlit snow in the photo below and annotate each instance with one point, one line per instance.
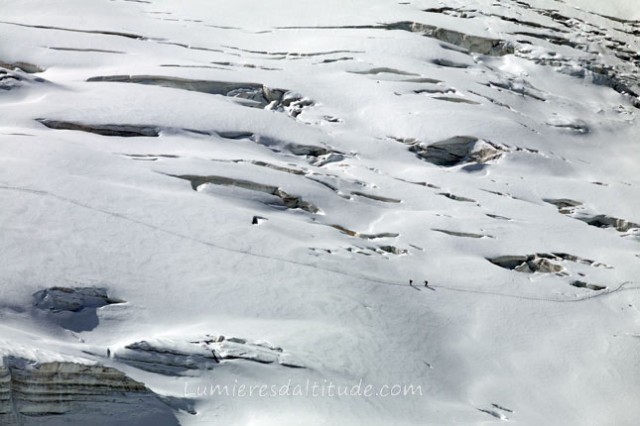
(319, 212)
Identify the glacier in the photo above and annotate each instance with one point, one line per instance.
(366, 212)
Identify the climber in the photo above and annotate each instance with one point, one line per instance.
(257, 219)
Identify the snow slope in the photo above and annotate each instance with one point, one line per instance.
(489, 147)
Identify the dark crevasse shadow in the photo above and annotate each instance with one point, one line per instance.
(85, 320)
(73, 308)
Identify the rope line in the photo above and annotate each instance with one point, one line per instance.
(621, 287)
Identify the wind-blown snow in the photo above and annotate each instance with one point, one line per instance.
(247, 188)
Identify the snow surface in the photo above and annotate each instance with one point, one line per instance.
(147, 218)
(616, 8)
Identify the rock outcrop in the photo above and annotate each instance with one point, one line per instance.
(564, 205)
(458, 150)
(575, 209)
(543, 262)
(462, 234)
(257, 95)
(594, 287)
(14, 76)
(604, 221)
(121, 130)
(529, 264)
(73, 308)
(72, 299)
(175, 357)
(468, 42)
(250, 91)
(9, 80)
(24, 66)
(286, 199)
(62, 393)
